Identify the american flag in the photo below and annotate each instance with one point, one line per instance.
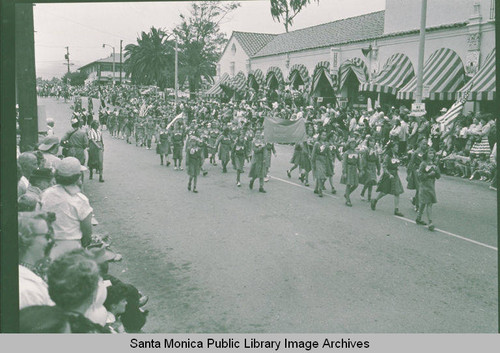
(454, 111)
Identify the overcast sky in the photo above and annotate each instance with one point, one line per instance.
(85, 27)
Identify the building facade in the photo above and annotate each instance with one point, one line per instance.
(101, 70)
(376, 55)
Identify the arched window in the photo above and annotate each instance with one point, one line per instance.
(233, 49)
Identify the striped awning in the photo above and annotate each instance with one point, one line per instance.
(238, 82)
(322, 68)
(444, 75)
(482, 85)
(396, 73)
(298, 70)
(357, 66)
(216, 89)
(258, 76)
(274, 71)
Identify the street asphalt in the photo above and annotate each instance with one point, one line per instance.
(231, 259)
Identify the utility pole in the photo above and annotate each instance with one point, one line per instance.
(176, 72)
(26, 76)
(66, 56)
(121, 41)
(421, 47)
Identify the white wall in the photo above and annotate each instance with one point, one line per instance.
(404, 15)
(239, 58)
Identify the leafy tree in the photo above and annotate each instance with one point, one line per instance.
(76, 78)
(201, 41)
(151, 60)
(286, 10)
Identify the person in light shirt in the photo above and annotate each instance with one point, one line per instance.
(73, 227)
(35, 242)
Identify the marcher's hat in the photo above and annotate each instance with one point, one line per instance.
(48, 143)
(69, 166)
(74, 121)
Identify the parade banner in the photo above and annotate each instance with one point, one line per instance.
(278, 130)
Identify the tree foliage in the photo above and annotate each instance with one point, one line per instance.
(284, 11)
(151, 60)
(201, 41)
(76, 78)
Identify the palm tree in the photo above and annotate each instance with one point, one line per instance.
(151, 60)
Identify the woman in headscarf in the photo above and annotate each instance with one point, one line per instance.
(350, 170)
(389, 182)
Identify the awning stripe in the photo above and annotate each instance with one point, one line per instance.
(276, 72)
(443, 73)
(355, 65)
(238, 82)
(258, 76)
(397, 71)
(301, 70)
(482, 85)
(216, 89)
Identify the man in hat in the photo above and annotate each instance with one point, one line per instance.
(77, 141)
(28, 163)
(50, 149)
(73, 226)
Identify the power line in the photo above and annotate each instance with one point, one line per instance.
(87, 26)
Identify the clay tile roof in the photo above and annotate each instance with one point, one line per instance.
(253, 42)
(342, 31)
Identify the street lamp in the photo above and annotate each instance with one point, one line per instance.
(104, 45)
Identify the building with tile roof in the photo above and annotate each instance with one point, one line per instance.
(373, 55)
(102, 70)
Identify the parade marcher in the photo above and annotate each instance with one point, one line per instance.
(223, 145)
(412, 170)
(75, 141)
(212, 141)
(193, 161)
(270, 150)
(389, 182)
(305, 159)
(258, 166)
(177, 143)
(239, 154)
(297, 152)
(96, 151)
(320, 160)
(428, 172)
(370, 168)
(350, 170)
(150, 130)
(163, 143)
(139, 133)
(334, 155)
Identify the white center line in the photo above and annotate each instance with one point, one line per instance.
(453, 235)
(402, 218)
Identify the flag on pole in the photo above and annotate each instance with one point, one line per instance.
(454, 111)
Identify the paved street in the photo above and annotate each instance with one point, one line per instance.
(233, 260)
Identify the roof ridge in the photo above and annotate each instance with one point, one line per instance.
(270, 34)
(339, 20)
